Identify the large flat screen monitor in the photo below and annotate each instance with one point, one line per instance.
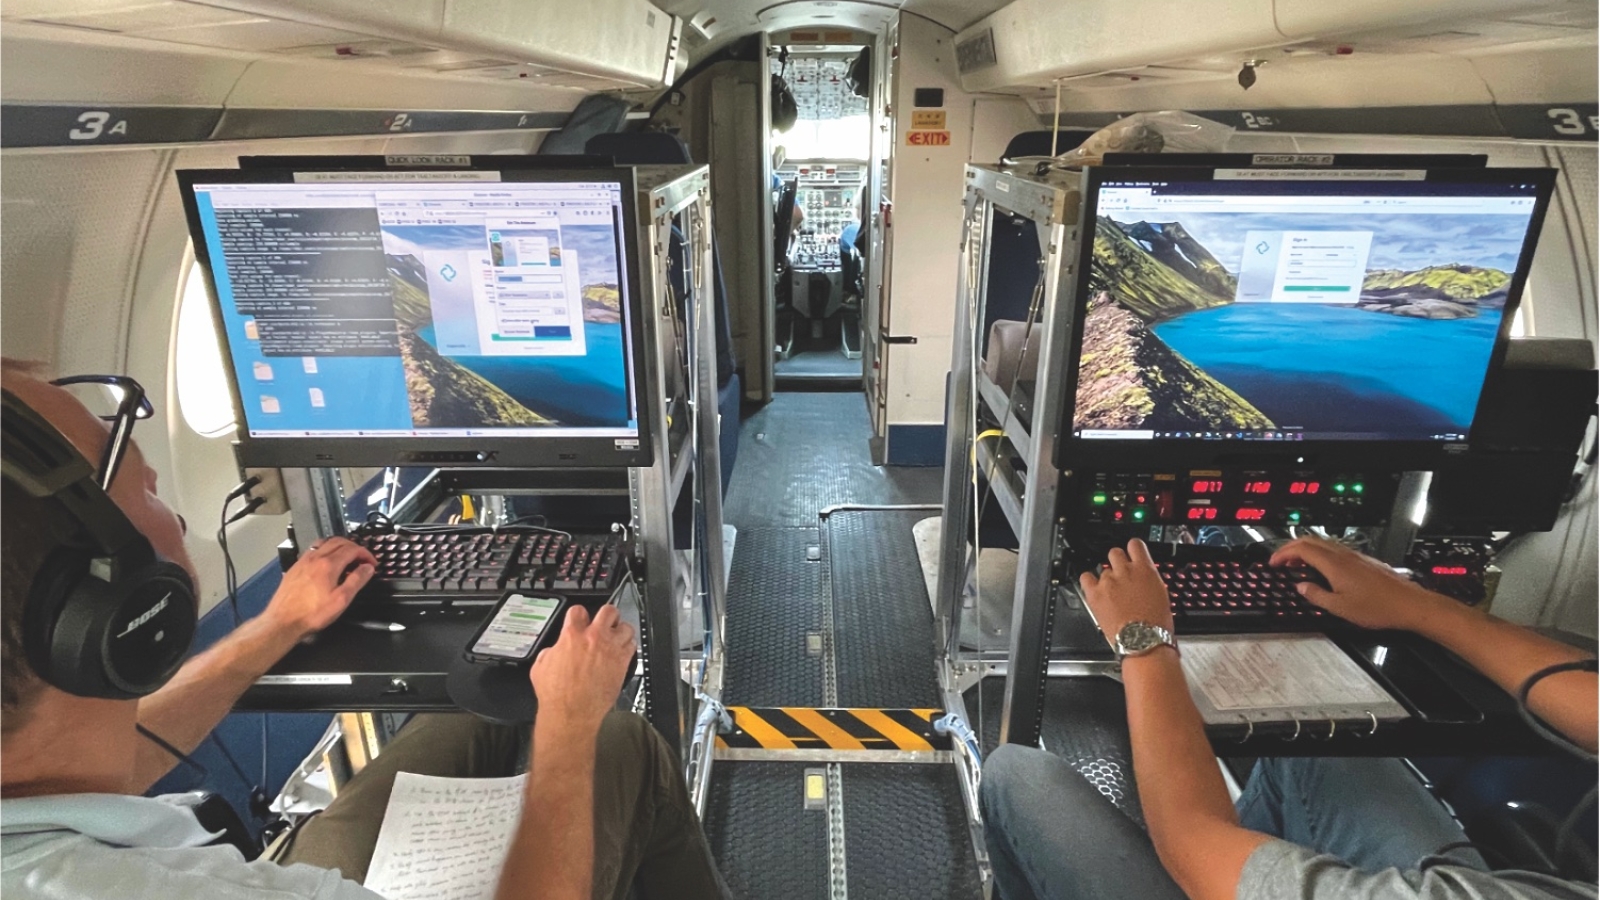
(478, 316)
(1231, 315)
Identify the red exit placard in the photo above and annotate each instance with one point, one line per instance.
(928, 138)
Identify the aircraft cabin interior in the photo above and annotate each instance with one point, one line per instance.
(897, 384)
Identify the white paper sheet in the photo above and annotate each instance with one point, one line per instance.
(1283, 676)
(445, 838)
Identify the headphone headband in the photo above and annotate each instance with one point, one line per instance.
(40, 459)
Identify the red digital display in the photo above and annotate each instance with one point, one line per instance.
(1449, 570)
(1305, 487)
(1248, 514)
(1258, 487)
(1207, 486)
(1202, 513)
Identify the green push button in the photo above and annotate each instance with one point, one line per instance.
(1338, 488)
(1138, 515)
(1294, 518)
(1357, 487)
(1098, 499)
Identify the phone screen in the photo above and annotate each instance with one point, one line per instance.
(516, 627)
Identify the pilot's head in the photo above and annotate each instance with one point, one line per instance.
(25, 543)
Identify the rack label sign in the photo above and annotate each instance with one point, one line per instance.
(928, 138)
(927, 119)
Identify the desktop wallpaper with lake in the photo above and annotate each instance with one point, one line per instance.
(1166, 346)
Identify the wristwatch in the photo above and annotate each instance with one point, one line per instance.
(1139, 638)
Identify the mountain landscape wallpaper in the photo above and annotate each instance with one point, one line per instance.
(511, 391)
(1167, 348)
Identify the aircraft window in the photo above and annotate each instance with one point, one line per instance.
(845, 138)
(203, 394)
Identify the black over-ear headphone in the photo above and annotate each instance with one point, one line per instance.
(106, 615)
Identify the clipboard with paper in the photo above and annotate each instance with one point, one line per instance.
(1289, 684)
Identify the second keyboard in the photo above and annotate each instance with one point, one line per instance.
(1234, 595)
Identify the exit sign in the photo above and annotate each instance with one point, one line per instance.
(928, 138)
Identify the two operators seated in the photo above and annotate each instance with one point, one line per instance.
(606, 812)
(1303, 829)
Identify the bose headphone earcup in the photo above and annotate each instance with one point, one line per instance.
(93, 639)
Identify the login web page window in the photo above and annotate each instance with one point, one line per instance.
(424, 309)
(1292, 311)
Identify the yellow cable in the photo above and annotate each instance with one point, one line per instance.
(993, 432)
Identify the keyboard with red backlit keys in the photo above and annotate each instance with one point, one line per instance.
(444, 562)
(1231, 596)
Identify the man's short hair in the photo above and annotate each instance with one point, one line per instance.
(25, 543)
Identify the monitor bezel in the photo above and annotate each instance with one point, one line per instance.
(1391, 455)
(556, 451)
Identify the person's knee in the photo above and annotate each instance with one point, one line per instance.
(1010, 768)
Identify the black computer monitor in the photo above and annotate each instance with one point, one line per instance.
(1231, 316)
(470, 315)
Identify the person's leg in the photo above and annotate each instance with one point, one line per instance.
(647, 836)
(448, 745)
(1372, 813)
(1052, 836)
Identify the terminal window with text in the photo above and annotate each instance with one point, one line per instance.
(1293, 310)
(424, 309)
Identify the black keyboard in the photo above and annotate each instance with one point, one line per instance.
(1236, 595)
(485, 562)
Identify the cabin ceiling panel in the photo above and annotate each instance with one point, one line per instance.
(600, 45)
(1040, 42)
(1550, 73)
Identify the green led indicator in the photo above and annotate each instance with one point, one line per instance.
(1138, 515)
(1099, 499)
(1338, 488)
(1357, 487)
(1294, 517)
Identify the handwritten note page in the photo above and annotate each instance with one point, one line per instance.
(445, 838)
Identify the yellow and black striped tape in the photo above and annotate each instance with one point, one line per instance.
(806, 728)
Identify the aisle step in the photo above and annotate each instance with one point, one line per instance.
(811, 728)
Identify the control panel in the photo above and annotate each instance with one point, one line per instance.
(1462, 568)
(1199, 497)
(816, 251)
(829, 196)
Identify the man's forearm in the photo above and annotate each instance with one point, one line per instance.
(552, 855)
(192, 704)
(1192, 822)
(1507, 654)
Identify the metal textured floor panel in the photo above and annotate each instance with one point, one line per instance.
(1085, 723)
(775, 598)
(804, 452)
(827, 363)
(767, 845)
(883, 627)
(906, 835)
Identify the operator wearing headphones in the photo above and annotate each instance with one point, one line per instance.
(97, 615)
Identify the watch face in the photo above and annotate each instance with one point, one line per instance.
(1138, 637)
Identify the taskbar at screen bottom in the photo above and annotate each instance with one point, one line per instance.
(549, 432)
(1100, 434)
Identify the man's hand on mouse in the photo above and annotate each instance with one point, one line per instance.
(320, 585)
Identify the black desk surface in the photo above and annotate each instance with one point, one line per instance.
(348, 667)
